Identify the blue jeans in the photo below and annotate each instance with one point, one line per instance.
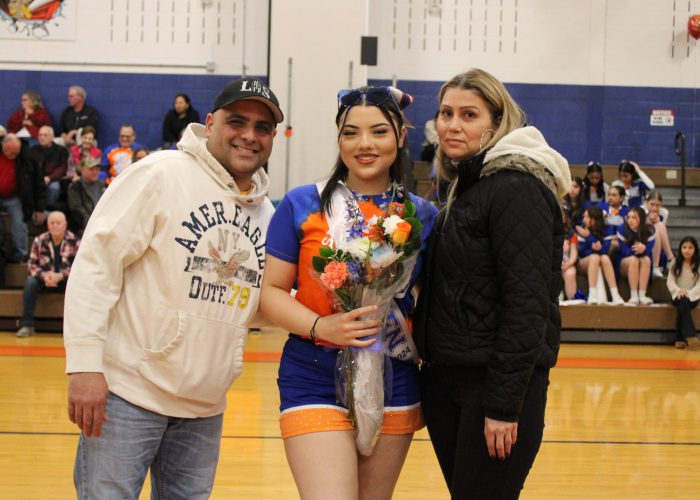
(182, 454)
(32, 288)
(53, 194)
(17, 227)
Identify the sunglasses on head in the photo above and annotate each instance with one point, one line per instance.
(373, 95)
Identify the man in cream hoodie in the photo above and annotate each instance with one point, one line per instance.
(162, 290)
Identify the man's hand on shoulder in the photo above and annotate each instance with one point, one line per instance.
(87, 401)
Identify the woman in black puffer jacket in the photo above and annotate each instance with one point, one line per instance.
(487, 324)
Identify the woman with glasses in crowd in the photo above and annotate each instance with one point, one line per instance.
(487, 323)
(318, 433)
(26, 121)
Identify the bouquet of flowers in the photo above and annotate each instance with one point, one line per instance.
(370, 265)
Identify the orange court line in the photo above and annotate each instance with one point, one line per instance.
(59, 352)
(653, 364)
(273, 357)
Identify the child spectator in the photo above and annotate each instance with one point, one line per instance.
(574, 201)
(50, 261)
(593, 246)
(636, 183)
(657, 216)
(84, 194)
(636, 243)
(139, 154)
(86, 149)
(595, 190)
(684, 285)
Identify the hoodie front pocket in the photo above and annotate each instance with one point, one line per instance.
(200, 362)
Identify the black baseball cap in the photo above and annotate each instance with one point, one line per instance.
(248, 88)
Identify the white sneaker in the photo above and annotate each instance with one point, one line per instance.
(657, 273)
(632, 302)
(25, 331)
(644, 300)
(592, 301)
(618, 301)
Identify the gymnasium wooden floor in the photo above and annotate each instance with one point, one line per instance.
(622, 422)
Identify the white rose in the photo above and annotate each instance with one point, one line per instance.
(390, 224)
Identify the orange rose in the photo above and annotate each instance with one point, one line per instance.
(396, 208)
(401, 234)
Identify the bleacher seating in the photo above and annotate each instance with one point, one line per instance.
(641, 324)
(49, 310)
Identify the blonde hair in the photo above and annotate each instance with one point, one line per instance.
(505, 113)
(34, 97)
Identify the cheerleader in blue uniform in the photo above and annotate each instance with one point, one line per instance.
(636, 183)
(595, 190)
(636, 243)
(593, 246)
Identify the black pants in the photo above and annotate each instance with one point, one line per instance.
(684, 324)
(452, 405)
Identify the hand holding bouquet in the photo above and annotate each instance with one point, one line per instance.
(371, 265)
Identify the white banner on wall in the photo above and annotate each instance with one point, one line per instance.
(661, 118)
(38, 20)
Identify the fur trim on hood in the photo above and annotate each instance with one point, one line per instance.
(526, 150)
(194, 142)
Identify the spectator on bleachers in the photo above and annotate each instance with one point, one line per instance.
(22, 194)
(117, 157)
(657, 216)
(593, 247)
(614, 209)
(440, 186)
(26, 121)
(569, 258)
(76, 116)
(615, 213)
(595, 189)
(53, 162)
(177, 119)
(431, 140)
(50, 261)
(574, 201)
(84, 194)
(684, 284)
(636, 243)
(86, 149)
(139, 154)
(636, 183)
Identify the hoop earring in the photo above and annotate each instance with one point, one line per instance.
(481, 139)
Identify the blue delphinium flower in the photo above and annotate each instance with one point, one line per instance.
(354, 272)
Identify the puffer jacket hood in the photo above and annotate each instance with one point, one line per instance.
(530, 143)
(194, 141)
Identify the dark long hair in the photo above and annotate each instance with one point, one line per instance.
(596, 214)
(627, 167)
(396, 119)
(594, 167)
(677, 266)
(575, 205)
(644, 231)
